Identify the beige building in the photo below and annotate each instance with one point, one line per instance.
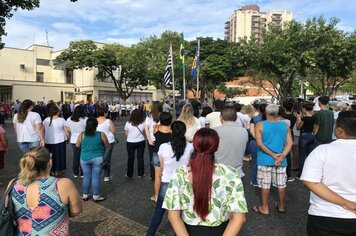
(248, 20)
(33, 73)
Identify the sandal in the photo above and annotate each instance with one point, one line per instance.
(276, 205)
(154, 199)
(257, 210)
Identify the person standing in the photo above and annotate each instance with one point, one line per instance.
(75, 126)
(324, 124)
(108, 128)
(42, 203)
(152, 120)
(172, 155)
(3, 147)
(191, 122)
(213, 119)
(134, 132)
(274, 142)
(55, 139)
(162, 134)
(307, 142)
(205, 197)
(93, 144)
(329, 174)
(28, 127)
(233, 140)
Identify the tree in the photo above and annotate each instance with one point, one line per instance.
(278, 59)
(230, 92)
(219, 63)
(7, 9)
(329, 57)
(126, 67)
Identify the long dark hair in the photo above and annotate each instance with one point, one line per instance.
(90, 128)
(52, 112)
(24, 106)
(78, 113)
(136, 117)
(178, 141)
(202, 164)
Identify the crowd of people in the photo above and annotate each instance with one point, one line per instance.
(196, 161)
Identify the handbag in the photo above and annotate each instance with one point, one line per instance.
(8, 224)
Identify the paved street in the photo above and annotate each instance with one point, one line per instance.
(128, 209)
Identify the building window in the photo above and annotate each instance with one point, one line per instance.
(42, 62)
(39, 76)
(69, 76)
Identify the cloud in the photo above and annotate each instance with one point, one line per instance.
(126, 21)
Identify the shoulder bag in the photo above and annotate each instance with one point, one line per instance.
(7, 220)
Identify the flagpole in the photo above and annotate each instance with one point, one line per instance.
(174, 83)
(198, 69)
(184, 92)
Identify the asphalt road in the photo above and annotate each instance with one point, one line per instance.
(128, 209)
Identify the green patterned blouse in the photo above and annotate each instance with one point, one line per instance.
(227, 196)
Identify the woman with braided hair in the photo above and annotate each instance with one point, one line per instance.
(204, 197)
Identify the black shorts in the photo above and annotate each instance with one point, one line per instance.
(329, 226)
(198, 230)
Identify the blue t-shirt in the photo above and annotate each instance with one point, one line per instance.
(274, 136)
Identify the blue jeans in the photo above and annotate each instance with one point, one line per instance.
(25, 146)
(158, 211)
(307, 143)
(77, 169)
(107, 158)
(92, 171)
(253, 151)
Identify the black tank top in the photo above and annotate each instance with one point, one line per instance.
(161, 138)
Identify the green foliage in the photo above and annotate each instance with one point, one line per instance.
(230, 92)
(125, 66)
(8, 7)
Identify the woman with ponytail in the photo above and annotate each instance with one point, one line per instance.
(205, 198)
(28, 127)
(36, 193)
(55, 138)
(171, 155)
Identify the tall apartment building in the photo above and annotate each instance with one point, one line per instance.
(249, 20)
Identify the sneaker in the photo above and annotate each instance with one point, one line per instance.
(128, 177)
(75, 176)
(107, 179)
(291, 179)
(99, 199)
(252, 184)
(141, 176)
(82, 176)
(297, 177)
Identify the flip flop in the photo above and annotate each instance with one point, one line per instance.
(257, 210)
(276, 205)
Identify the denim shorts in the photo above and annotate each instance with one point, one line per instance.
(155, 160)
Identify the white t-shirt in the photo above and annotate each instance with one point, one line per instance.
(150, 123)
(333, 165)
(202, 121)
(26, 131)
(213, 119)
(134, 135)
(105, 128)
(240, 119)
(316, 104)
(76, 128)
(170, 163)
(55, 133)
(247, 120)
(192, 129)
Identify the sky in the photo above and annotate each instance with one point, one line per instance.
(127, 21)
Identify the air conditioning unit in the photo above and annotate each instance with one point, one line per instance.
(22, 67)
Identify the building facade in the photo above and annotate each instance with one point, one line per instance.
(33, 73)
(249, 20)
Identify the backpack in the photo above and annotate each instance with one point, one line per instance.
(8, 224)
